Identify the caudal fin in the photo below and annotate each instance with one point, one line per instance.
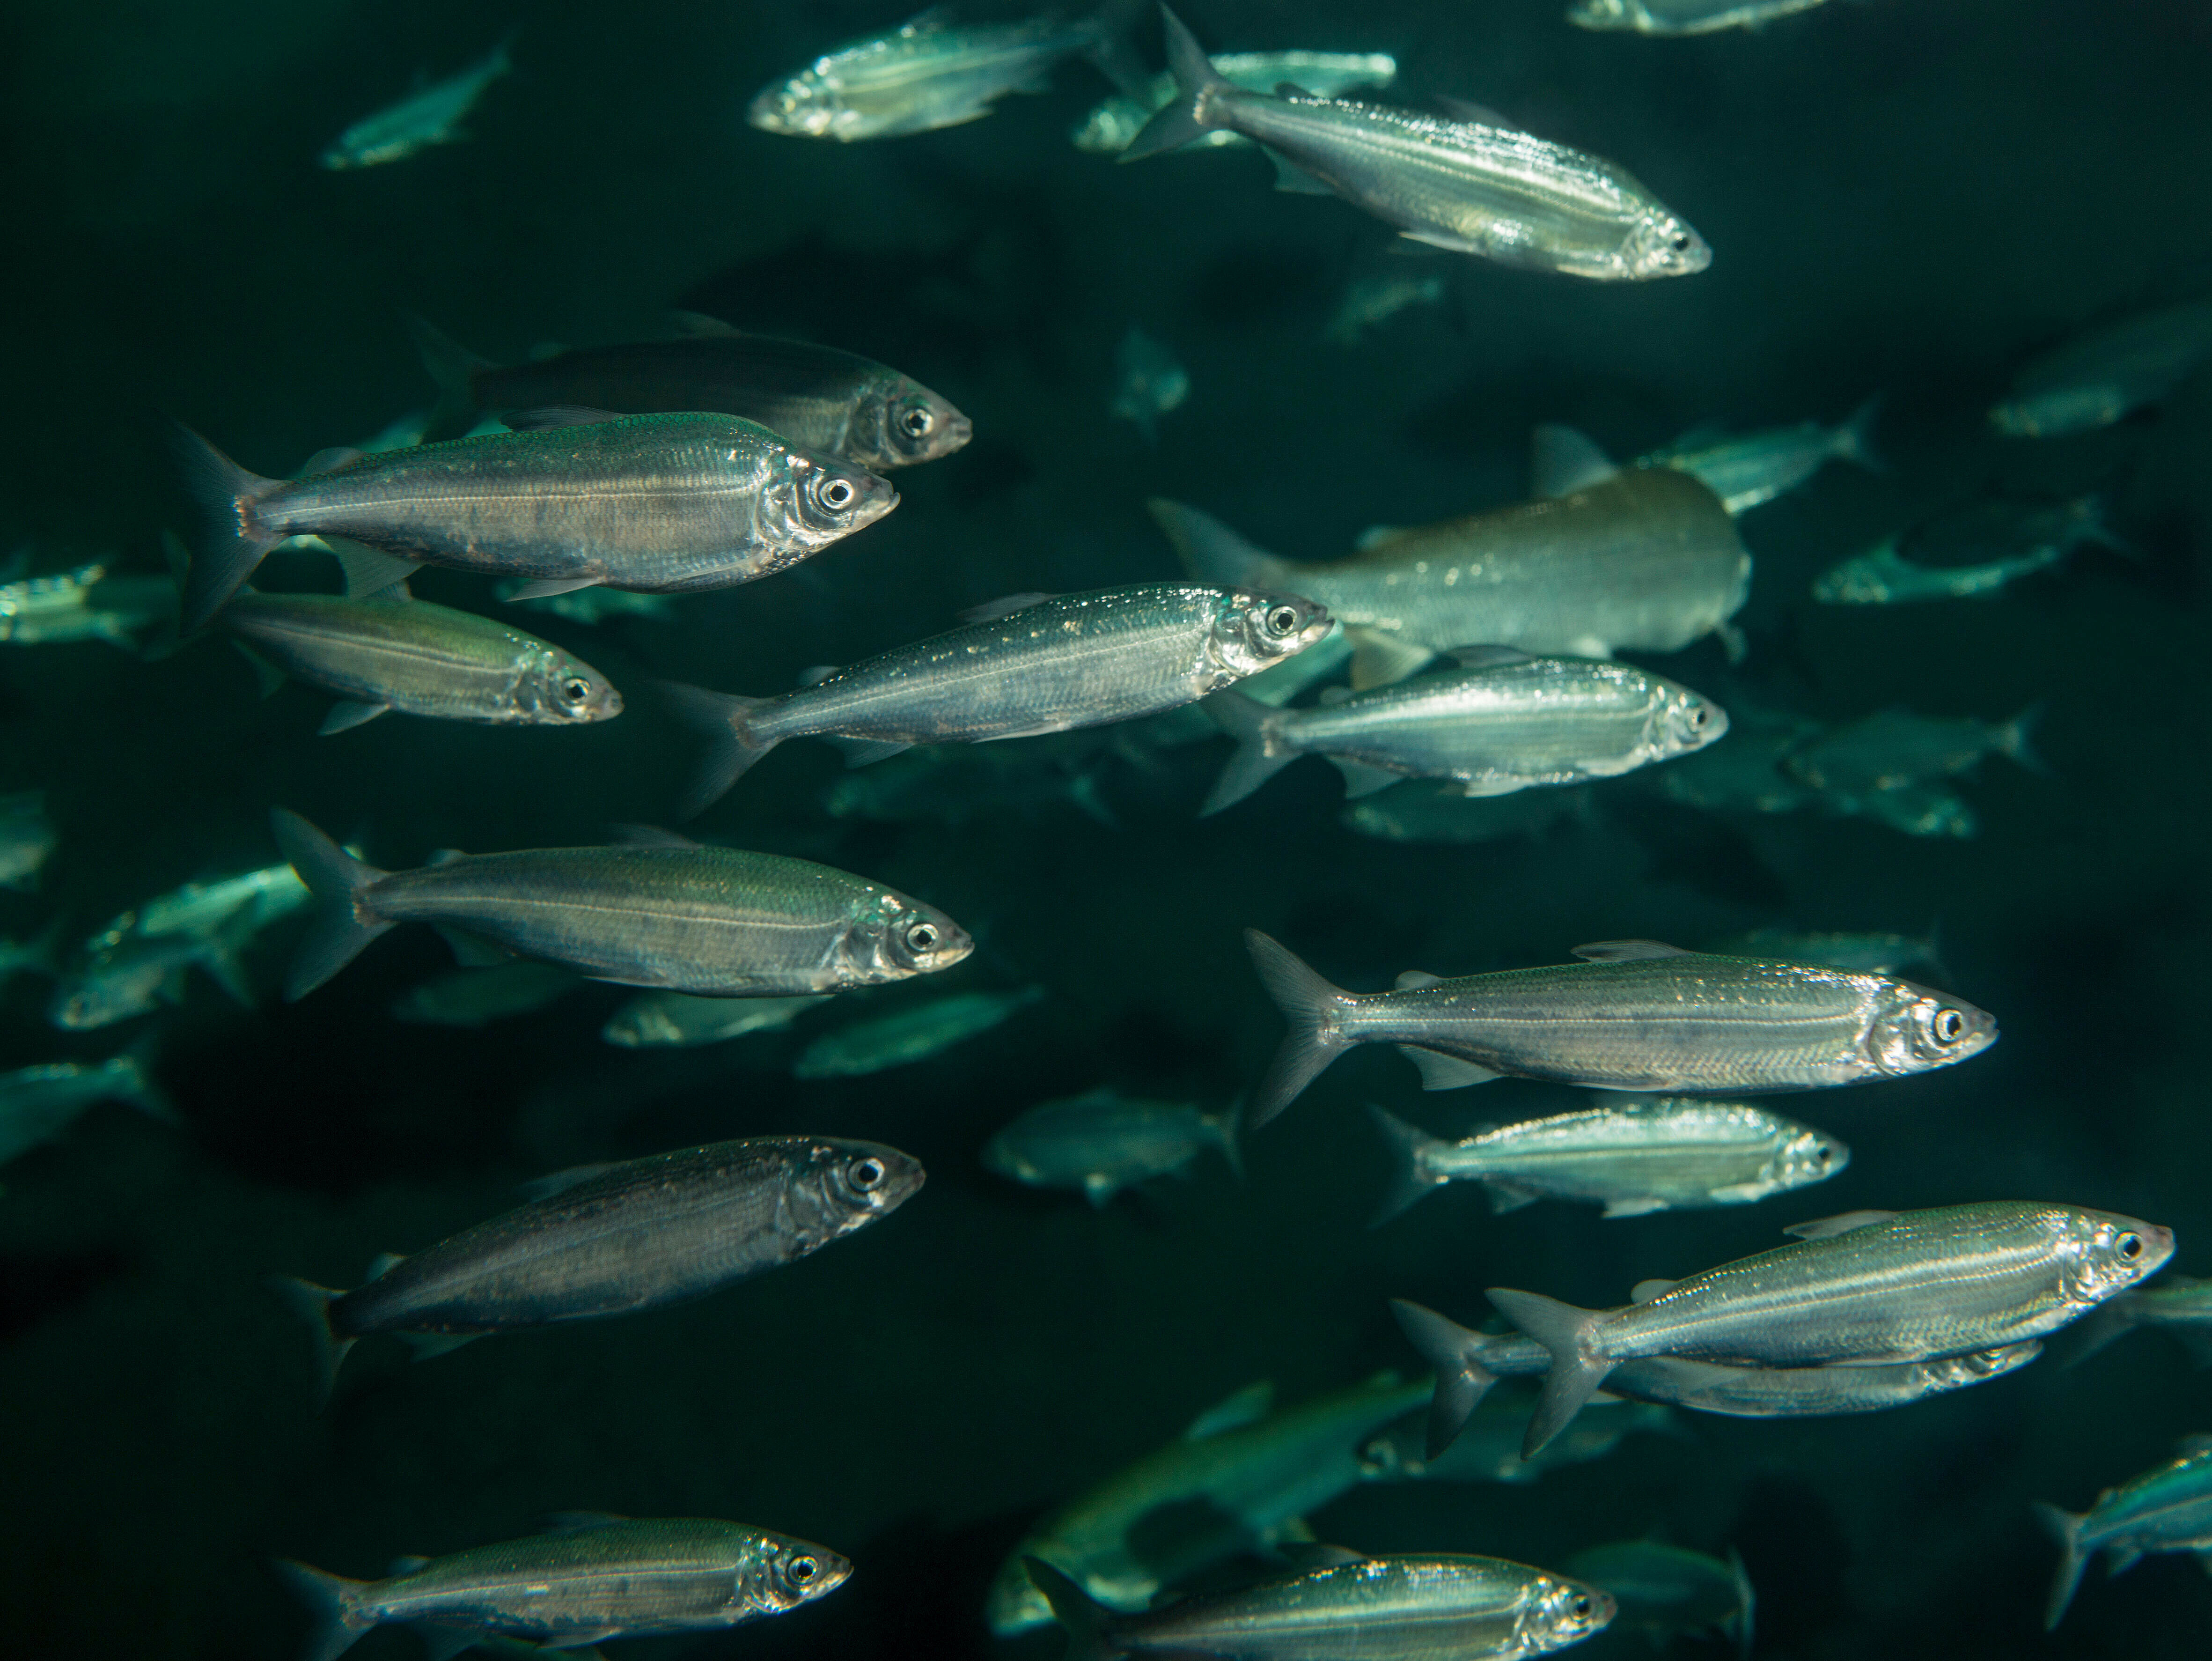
(719, 716)
(1244, 720)
(1454, 1351)
(1311, 1006)
(328, 1598)
(2013, 738)
(133, 1075)
(1213, 552)
(343, 922)
(2065, 1527)
(312, 1304)
(234, 540)
(1576, 1373)
(1085, 1618)
(1187, 117)
(1853, 440)
(1223, 1127)
(1411, 1148)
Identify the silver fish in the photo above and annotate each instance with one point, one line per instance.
(907, 1036)
(37, 1104)
(2096, 378)
(1487, 1448)
(932, 72)
(1883, 575)
(139, 973)
(1664, 1589)
(1102, 1141)
(1031, 663)
(476, 997)
(1370, 1609)
(662, 1019)
(1670, 1155)
(1634, 1015)
(1682, 16)
(1149, 381)
(592, 1578)
(1441, 813)
(1869, 1287)
(1502, 722)
(1863, 952)
(395, 653)
(432, 116)
(1645, 560)
(1752, 468)
(2177, 1305)
(28, 837)
(1370, 301)
(1917, 810)
(667, 503)
(715, 921)
(612, 1239)
(1469, 186)
(2168, 1508)
(1109, 128)
(82, 604)
(1243, 1475)
(1894, 748)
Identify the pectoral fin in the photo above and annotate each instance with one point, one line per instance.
(1440, 1072)
(1826, 1228)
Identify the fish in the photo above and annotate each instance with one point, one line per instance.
(1682, 16)
(717, 922)
(1665, 1590)
(2106, 374)
(1111, 125)
(1487, 1448)
(592, 1578)
(1632, 1158)
(832, 403)
(1368, 1608)
(1468, 1364)
(1102, 1141)
(1149, 381)
(956, 784)
(665, 503)
(1370, 301)
(661, 1019)
(1917, 810)
(84, 603)
(392, 652)
(612, 1239)
(2167, 1508)
(1645, 559)
(1754, 468)
(37, 1104)
(2049, 535)
(904, 1037)
(1744, 774)
(1440, 813)
(1026, 665)
(139, 973)
(1864, 952)
(2177, 1305)
(1895, 748)
(933, 71)
(429, 117)
(1241, 1478)
(245, 903)
(28, 837)
(1867, 1287)
(591, 605)
(476, 997)
(1502, 721)
(1470, 186)
(1634, 1015)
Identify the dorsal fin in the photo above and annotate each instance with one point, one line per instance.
(557, 415)
(697, 326)
(1247, 1407)
(1562, 460)
(1005, 605)
(1644, 1291)
(1414, 979)
(1487, 657)
(1628, 951)
(1826, 1228)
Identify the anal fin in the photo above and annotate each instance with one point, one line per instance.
(1441, 1072)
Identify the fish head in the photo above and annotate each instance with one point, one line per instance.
(2058, 410)
(1855, 582)
(782, 1573)
(1602, 14)
(1662, 246)
(1684, 721)
(1809, 1156)
(843, 1185)
(900, 422)
(1254, 631)
(1003, 1154)
(811, 500)
(808, 105)
(2105, 1252)
(1916, 1029)
(556, 690)
(892, 938)
(106, 994)
(1556, 1612)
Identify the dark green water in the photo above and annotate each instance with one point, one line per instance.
(1906, 195)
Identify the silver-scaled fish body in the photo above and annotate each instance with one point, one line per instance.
(37, 1103)
(904, 1037)
(2096, 378)
(718, 922)
(419, 659)
(476, 997)
(2168, 1508)
(1371, 1608)
(1467, 186)
(1071, 660)
(1504, 721)
(83, 603)
(28, 837)
(659, 1019)
(138, 974)
(433, 116)
(1895, 748)
(1647, 560)
(596, 1579)
(1882, 576)
(929, 72)
(1682, 16)
(1254, 1472)
(1102, 1141)
(1866, 1288)
(1915, 809)
(1756, 467)
(1631, 1158)
(1111, 125)
(1635, 1015)
(1665, 1590)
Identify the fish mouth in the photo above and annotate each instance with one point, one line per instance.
(959, 429)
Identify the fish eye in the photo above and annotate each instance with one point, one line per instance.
(865, 1174)
(2130, 1246)
(1281, 620)
(1823, 1153)
(801, 1570)
(836, 493)
(922, 937)
(916, 422)
(1582, 1607)
(1950, 1026)
(575, 689)
(1699, 714)
(1680, 242)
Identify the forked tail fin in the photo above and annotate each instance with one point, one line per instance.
(1311, 1006)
